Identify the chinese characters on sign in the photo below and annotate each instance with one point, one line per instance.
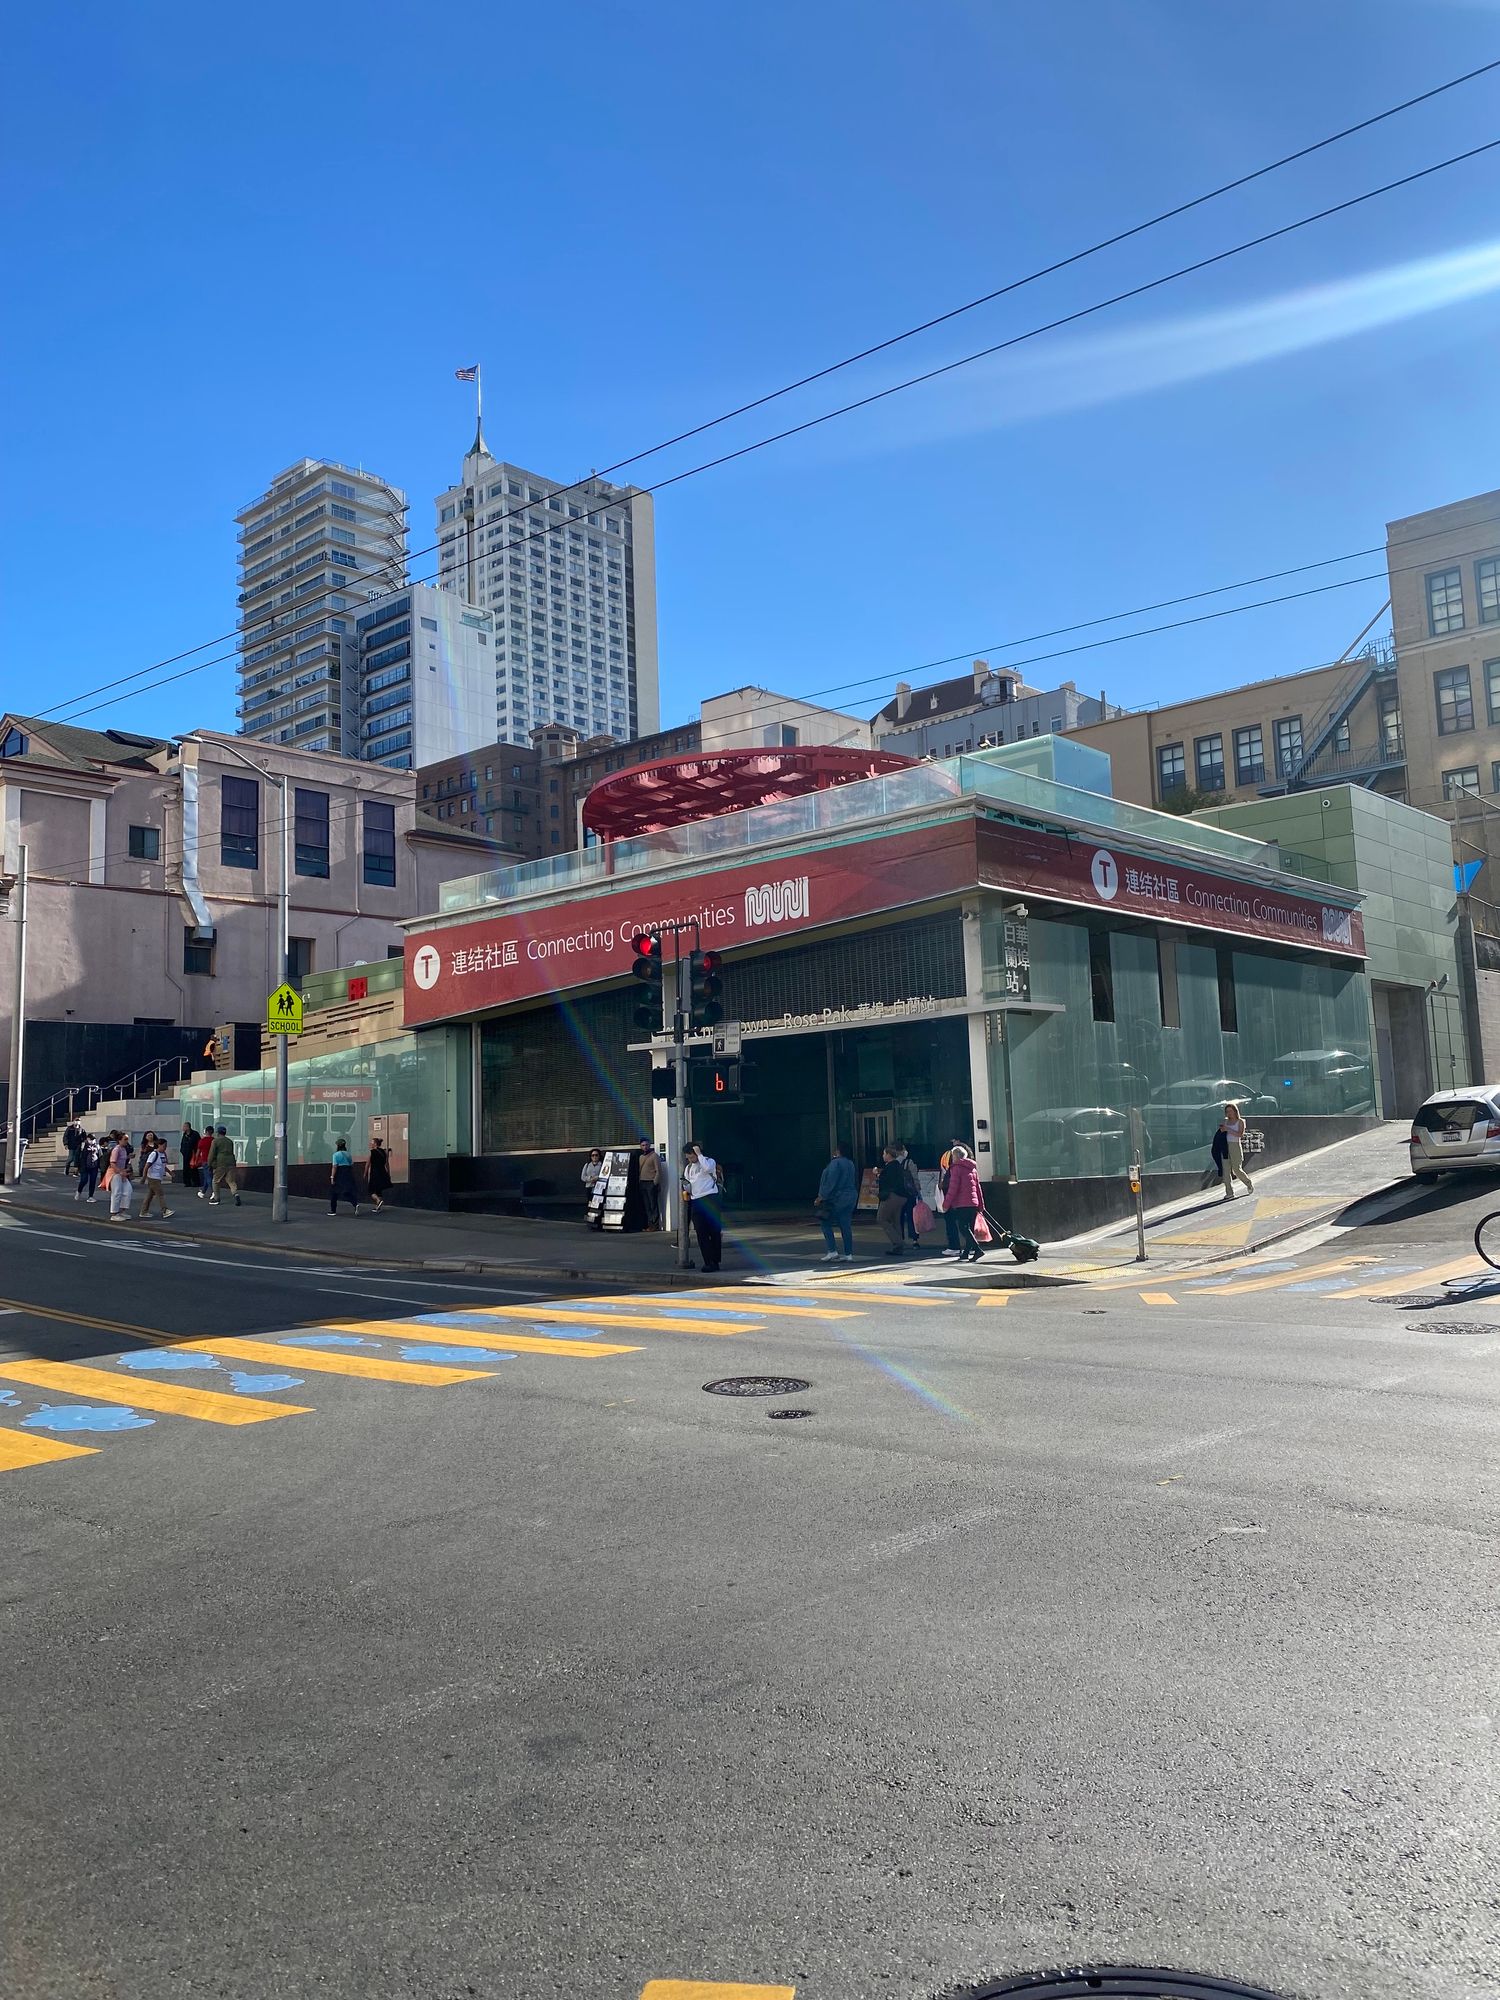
(491, 957)
(1144, 882)
(1016, 962)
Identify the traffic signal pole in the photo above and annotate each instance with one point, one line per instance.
(676, 1027)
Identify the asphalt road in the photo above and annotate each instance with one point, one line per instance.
(1078, 1628)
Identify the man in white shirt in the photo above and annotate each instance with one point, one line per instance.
(700, 1179)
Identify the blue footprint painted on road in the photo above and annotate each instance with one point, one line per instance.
(259, 1385)
(455, 1357)
(330, 1340)
(9, 1396)
(83, 1417)
(165, 1357)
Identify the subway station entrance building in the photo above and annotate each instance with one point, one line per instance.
(963, 949)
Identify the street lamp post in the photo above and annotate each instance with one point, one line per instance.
(283, 928)
(17, 893)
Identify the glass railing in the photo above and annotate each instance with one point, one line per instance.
(869, 799)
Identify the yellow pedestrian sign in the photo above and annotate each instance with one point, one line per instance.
(284, 1012)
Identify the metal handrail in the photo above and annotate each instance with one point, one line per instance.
(43, 1114)
(1376, 658)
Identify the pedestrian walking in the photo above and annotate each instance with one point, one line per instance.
(964, 1202)
(892, 1190)
(202, 1153)
(341, 1178)
(187, 1145)
(156, 1169)
(913, 1191)
(649, 1175)
(221, 1167)
(1233, 1165)
(838, 1190)
(703, 1189)
(72, 1138)
(90, 1165)
(121, 1184)
(593, 1167)
(1217, 1153)
(950, 1221)
(378, 1175)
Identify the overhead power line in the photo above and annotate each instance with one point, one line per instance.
(1014, 285)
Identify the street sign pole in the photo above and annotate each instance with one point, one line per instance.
(1137, 1181)
(18, 1019)
(679, 1073)
(283, 925)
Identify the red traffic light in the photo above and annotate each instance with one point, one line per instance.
(645, 945)
(708, 963)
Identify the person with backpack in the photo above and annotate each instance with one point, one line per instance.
(964, 1202)
(894, 1192)
(221, 1166)
(90, 1165)
(1233, 1164)
(72, 1138)
(157, 1169)
(201, 1154)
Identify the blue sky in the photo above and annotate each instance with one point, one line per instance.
(234, 240)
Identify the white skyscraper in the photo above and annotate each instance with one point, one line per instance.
(568, 575)
(314, 549)
(426, 678)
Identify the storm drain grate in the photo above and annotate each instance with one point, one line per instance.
(1139, 1982)
(756, 1385)
(789, 1413)
(1449, 1326)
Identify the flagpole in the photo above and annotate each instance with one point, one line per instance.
(478, 397)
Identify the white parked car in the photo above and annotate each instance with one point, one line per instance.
(1457, 1129)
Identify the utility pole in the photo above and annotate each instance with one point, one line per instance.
(18, 1018)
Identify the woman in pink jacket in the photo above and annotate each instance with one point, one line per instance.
(963, 1202)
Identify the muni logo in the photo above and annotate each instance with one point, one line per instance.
(775, 902)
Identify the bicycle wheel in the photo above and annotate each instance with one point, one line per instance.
(1487, 1239)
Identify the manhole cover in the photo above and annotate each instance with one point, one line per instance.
(1447, 1326)
(788, 1413)
(1140, 1982)
(757, 1385)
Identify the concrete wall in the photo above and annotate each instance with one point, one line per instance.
(753, 718)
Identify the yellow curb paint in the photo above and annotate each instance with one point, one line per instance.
(142, 1393)
(322, 1361)
(502, 1340)
(18, 1448)
(712, 1989)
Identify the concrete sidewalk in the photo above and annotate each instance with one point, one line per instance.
(1197, 1230)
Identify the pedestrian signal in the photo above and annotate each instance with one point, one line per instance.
(705, 1009)
(647, 967)
(664, 1083)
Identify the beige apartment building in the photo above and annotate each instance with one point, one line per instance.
(1416, 716)
(153, 870)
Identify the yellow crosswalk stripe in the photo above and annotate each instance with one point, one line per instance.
(995, 1298)
(712, 1989)
(323, 1361)
(1157, 1299)
(1416, 1281)
(448, 1336)
(1293, 1277)
(142, 1393)
(18, 1448)
(573, 1316)
(752, 1311)
(909, 1297)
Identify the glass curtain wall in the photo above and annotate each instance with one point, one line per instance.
(335, 1096)
(1174, 1027)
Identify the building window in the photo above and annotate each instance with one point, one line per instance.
(380, 843)
(1487, 590)
(15, 744)
(1445, 602)
(197, 956)
(1208, 759)
(1166, 982)
(1229, 1017)
(311, 826)
(1249, 756)
(1495, 775)
(1455, 704)
(1463, 781)
(299, 958)
(1492, 689)
(1390, 725)
(145, 843)
(1171, 776)
(1288, 745)
(1101, 976)
(239, 823)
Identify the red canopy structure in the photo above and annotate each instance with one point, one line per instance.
(701, 784)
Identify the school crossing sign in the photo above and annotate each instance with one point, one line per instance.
(284, 1012)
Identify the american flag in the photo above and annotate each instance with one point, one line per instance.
(466, 374)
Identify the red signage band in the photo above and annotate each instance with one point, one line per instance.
(1080, 869)
(496, 956)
